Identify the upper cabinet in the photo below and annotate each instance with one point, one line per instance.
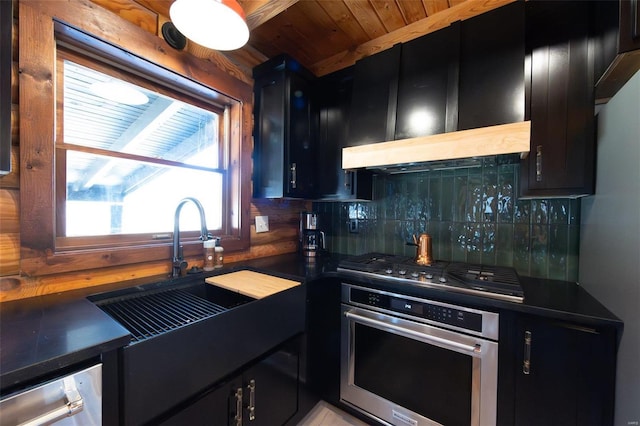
(492, 55)
(428, 84)
(284, 150)
(332, 100)
(467, 75)
(372, 114)
(619, 45)
(629, 26)
(534, 61)
(560, 100)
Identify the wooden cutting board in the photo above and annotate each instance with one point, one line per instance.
(252, 284)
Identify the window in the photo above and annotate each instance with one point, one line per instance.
(103, 175)
(128, 155)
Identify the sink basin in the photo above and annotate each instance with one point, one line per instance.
(192, 335)
(151, 312)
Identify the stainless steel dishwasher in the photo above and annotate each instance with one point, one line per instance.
(75, 399)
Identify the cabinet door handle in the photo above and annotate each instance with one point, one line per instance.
(252, 399)
(526, 365)
(293, 175)
(539, 163)
(238, 417)
(347, 179)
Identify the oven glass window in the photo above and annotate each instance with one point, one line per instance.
(424, 378)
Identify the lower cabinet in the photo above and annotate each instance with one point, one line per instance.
(565, 373)
(266, 393)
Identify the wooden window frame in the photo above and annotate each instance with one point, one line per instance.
(74, 243)
(45, 24)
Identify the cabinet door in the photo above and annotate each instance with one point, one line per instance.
(265, 394)
(284, 163)
(209, 409)
(566, 374)
(299, 152)
(492, 53)
(333, 100)
(629, 25)
(560, 101)
(269, 161)
(372, 116)
(271, 388)
(428, 85)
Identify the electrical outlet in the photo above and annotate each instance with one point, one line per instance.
(353, 226)
(262, 223)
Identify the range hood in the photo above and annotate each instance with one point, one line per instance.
(463, 148)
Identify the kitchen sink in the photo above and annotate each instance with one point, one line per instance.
(146, 313)
(188, 335)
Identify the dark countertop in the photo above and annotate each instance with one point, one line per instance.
(46, 334)
(41, 335)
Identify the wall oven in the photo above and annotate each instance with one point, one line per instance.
(412, 361)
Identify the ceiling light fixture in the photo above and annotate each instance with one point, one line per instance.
(215, 24)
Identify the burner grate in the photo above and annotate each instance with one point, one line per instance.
(153, 314)
(488, 278)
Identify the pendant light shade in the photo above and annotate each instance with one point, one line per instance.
(215, 24)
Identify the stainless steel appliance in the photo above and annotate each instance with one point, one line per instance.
(75, 399)
(311, 238)
(411, 361)
(481, 280)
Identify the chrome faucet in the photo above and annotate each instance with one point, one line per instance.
(178, 263)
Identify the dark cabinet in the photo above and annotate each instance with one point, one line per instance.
(264, 394)
(333, 101)
(629, 25)
(372, 115)
(492, 57)
(617, 45)
(565, 373)
(428, 85)
(467, 75)
(284, 153)
(560, 100)
(323, 338)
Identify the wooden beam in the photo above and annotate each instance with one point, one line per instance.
(460, 12)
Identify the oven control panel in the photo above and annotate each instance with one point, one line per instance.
(418, 308)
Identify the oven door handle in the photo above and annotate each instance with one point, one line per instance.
(366, 320)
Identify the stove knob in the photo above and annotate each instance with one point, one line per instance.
(442, 279)
(429, 276)
(415, 274)
(389, 271)
(402, 272)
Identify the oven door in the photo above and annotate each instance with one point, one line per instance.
(409, 373)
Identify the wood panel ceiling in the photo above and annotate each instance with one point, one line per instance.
(328, 35)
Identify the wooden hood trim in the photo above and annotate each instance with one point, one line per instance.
(494, 140)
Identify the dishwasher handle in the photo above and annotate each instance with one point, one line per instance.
(73, 406)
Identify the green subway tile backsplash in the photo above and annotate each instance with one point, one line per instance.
(473, 215)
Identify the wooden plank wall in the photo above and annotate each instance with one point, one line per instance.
(283, 214)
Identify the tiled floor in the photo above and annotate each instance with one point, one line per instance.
(324, 414)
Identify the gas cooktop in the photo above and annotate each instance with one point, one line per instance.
(496, 282)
